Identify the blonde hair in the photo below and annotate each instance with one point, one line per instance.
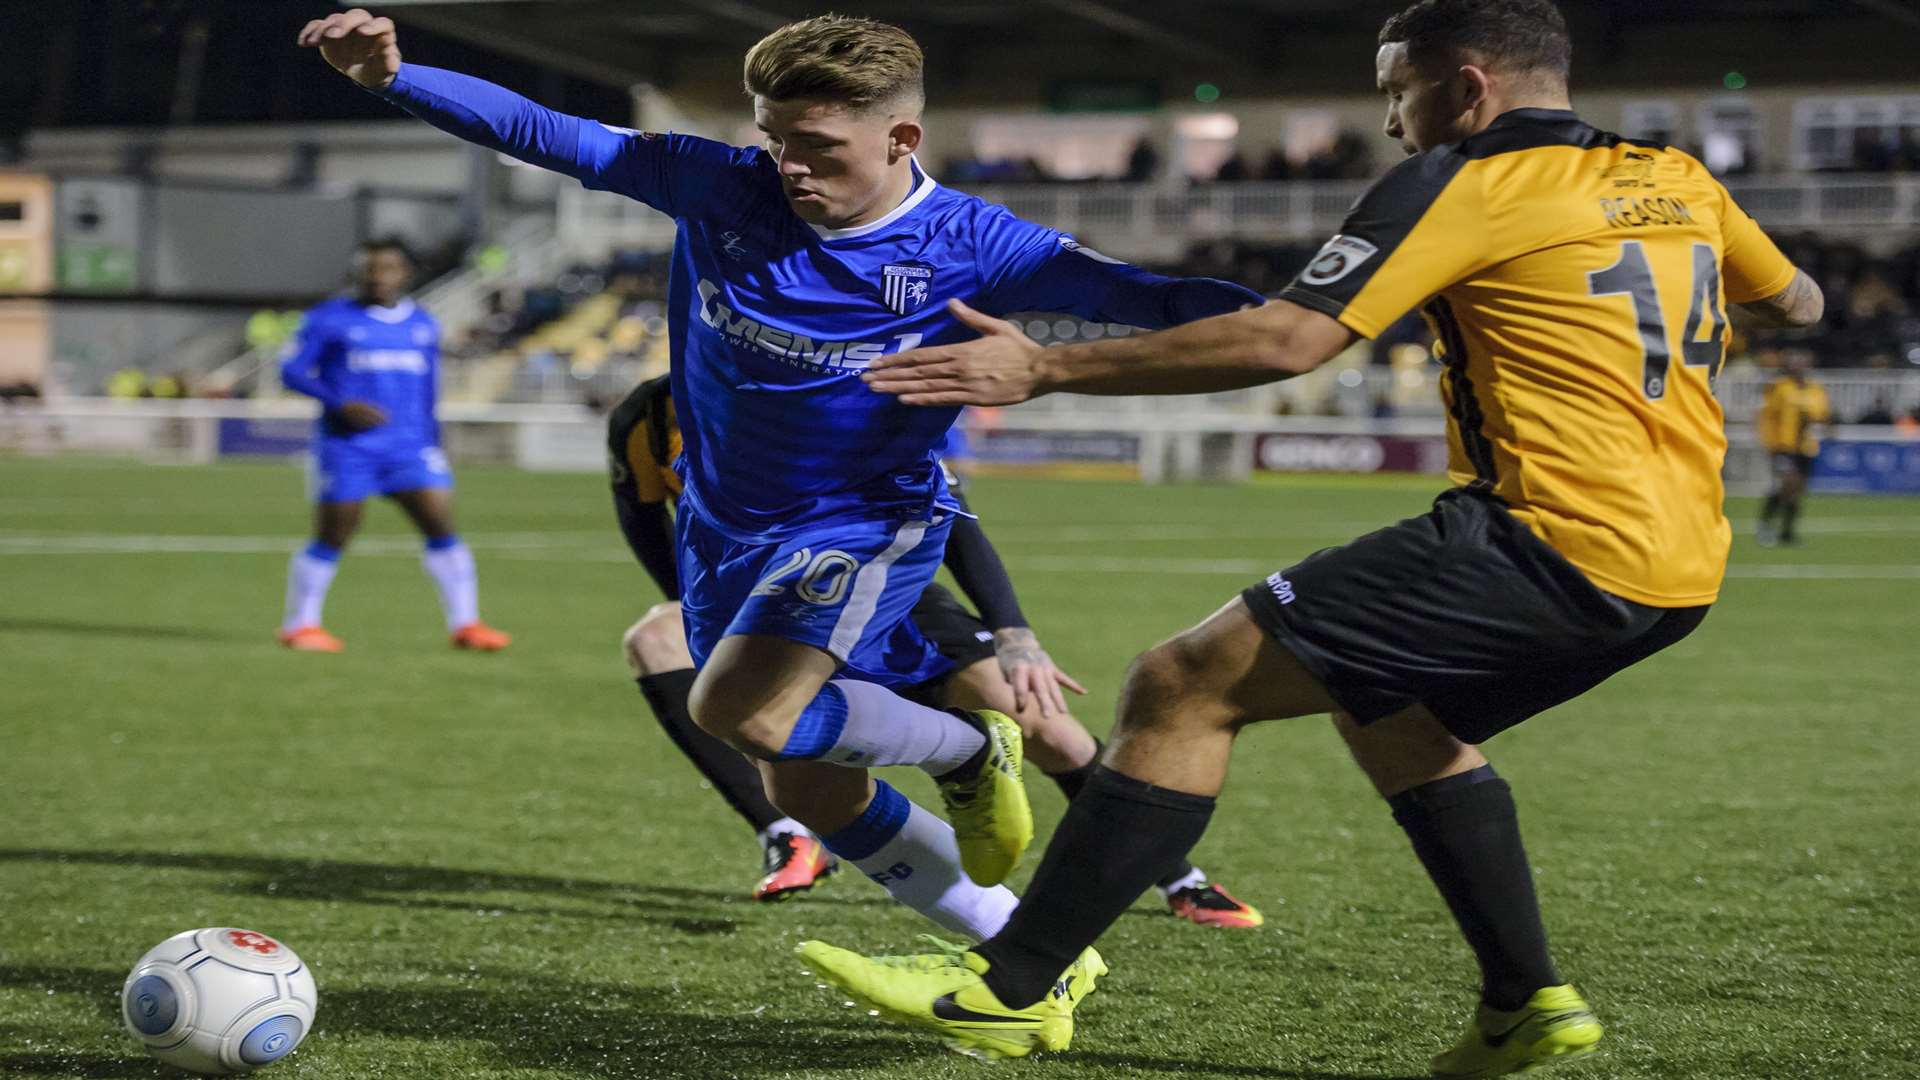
(860, 63)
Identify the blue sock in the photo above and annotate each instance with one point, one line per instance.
(442, 543)
(878, 824)
(818, 727)
(323, 552)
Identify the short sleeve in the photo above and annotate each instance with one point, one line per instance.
(1752, 265)
(1419, 229)
(1010, 251)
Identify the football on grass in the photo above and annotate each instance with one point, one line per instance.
(219, 1001)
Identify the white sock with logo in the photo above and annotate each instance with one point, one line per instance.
(879, 727)
(912, 854)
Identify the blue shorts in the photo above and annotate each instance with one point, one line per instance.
(343, 472)
(847, 589)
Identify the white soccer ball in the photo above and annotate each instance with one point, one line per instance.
(219, 1001)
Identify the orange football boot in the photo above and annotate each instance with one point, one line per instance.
(310, 639)
(1207, 904)
(480, 637)
(794, 864)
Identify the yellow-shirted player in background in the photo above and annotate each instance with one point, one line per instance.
(1789, 424)
(1578, 282)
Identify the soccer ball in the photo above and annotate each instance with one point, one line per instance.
(219, 1001)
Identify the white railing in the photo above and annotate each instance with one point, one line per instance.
(1153, 221)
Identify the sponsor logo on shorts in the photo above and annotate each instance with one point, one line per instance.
(1282, 588)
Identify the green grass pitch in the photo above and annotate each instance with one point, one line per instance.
(499, 867)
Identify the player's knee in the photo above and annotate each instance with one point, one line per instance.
(755, 732)
(1166, 685)
(658, 642)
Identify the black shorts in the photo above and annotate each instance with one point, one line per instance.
(1784, 464)
(1462, 610)
(958, 633)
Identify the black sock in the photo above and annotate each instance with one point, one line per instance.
(1116, 837)
(1769, 508)
(1070, 783)
(1467, 834)
(1789, 516)
(727, 769)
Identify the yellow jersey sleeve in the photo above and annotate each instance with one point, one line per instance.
(643, 438)
(1419, 229)
(1751, 263)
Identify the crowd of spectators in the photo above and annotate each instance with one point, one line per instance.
(1349, 156)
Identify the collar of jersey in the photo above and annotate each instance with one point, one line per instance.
(1533, 114)
(398, 313)
(914, 198)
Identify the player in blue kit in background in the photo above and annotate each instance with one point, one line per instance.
(371, 360)
(814, 512)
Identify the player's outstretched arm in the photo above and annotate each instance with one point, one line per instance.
(1801, 303)
(1277, 340)
(366, 49)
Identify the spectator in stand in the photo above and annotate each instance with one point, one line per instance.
(1233, 170)
(1277, 166)
(1143, 163)
(1879, 414)
(1907, 158)
(1870, 152)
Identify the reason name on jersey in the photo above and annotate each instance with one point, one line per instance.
(410, 361)
(794, 348)
(1633, 212)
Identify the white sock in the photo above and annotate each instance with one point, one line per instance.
(452, 569)
(1195, 878)
(920, 866)
(307, 581)
(784, 825)
(883, 728)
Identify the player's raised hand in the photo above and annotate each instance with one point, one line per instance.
(1031, 672)
(358, 45)
(1000, 367)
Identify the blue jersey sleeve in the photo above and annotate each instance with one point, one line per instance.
(1028, 267)
(303, 361)
(679, 175)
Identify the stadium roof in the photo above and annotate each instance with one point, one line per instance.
(1257, 46)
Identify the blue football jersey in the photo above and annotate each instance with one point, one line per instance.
(772, 319)
(346, 351)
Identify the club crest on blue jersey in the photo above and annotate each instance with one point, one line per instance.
(906, 287)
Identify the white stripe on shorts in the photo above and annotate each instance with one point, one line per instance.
(868, 583)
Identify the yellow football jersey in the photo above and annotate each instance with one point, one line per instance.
(1790, 417)
(1577, 282)
(643, 439)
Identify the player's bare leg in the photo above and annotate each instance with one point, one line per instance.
(656, 651)
(1055, 741)
(449, 562)
(1067, 752)
(310, 573)
(1184, 702)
